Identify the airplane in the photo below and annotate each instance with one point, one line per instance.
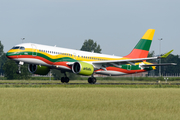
(42, 58)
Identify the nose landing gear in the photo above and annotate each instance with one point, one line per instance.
(19, 67)
(19, 70)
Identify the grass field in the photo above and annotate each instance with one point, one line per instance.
(89, 103)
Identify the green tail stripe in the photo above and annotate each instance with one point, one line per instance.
(143, 44)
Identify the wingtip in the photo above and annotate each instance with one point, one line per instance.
(167, 54)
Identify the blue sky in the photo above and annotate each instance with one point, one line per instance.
(117, 25)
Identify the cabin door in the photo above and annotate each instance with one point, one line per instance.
(75, 56)
(128, 67)
(34, 50)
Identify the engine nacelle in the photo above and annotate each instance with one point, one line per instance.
(83, 68)
(37, 69)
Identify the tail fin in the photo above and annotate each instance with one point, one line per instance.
(141, 50)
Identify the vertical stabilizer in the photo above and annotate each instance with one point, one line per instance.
(141, 50)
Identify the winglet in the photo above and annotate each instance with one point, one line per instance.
(167, 54)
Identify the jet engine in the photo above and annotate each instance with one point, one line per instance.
(37, 69)
(83, 68)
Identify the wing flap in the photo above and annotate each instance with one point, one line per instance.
(163, 64)
(125, 61)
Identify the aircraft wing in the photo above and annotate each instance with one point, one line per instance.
(163, 64)
(117, 63)
(133, 61)
(125, 61)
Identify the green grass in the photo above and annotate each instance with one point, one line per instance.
(89, 103)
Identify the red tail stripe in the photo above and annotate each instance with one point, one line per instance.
(137, 53)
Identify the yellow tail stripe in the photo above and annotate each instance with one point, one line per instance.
(149, 34)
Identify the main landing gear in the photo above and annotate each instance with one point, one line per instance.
(65, 79)
(92, 80)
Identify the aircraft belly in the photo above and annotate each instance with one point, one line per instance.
(61, 67)
(32, 61)
(110, 72)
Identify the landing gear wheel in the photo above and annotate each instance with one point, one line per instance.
(64, 79)
(19, 69)
(92, 80)
(18, 72)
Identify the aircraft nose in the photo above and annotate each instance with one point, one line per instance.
(7, 54)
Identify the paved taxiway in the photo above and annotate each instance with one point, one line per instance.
(88, 83)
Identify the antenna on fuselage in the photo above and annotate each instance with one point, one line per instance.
(22, 39)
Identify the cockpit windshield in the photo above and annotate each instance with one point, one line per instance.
(15, 47)
(19, 47)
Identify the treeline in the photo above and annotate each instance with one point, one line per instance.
(166, 70)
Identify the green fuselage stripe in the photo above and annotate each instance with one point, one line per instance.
(58, 59)
(133, 67)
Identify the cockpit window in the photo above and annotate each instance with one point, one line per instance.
(19, 47)
(22, 48)
(15, 47)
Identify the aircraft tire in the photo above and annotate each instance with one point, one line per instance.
(92, 80)
(66, 79)
(63, 79)
(18, 72)
(89, 80)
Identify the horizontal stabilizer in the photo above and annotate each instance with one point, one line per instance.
(163, 64)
